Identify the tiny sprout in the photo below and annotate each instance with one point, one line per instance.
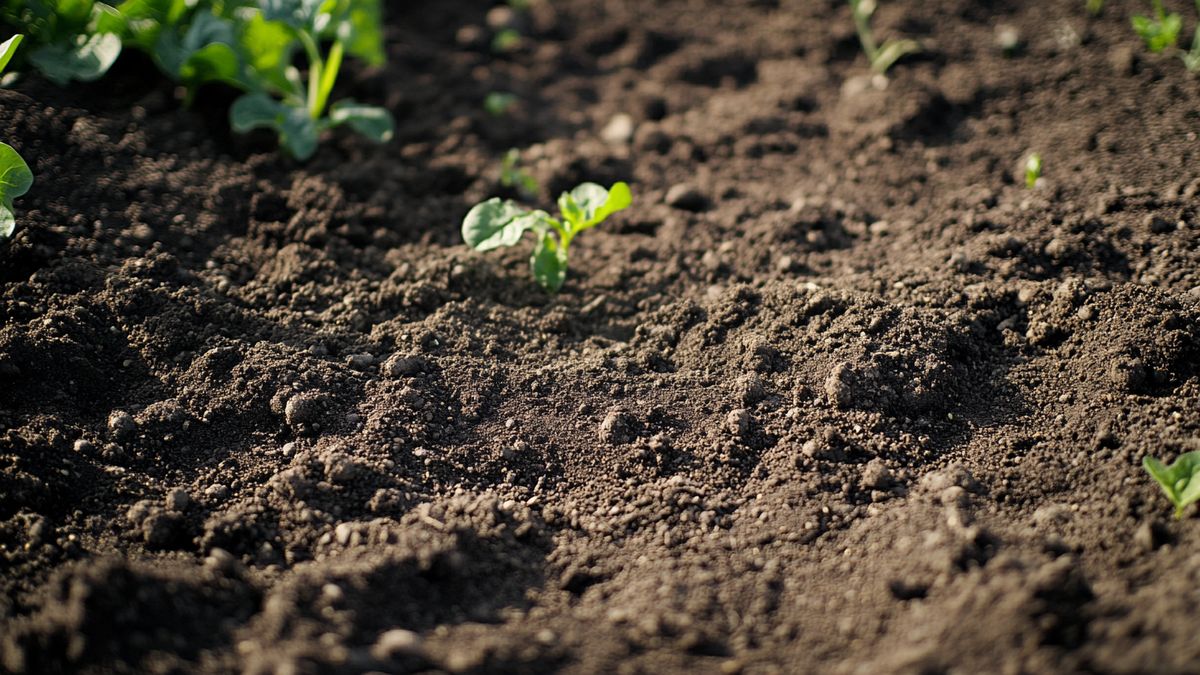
(507, 41)
(1094, 7)
(495, 223)
(513, 176)
(881, 57)
(1033, 170)
(499, 103)
(1177, 480)
(1161, 31)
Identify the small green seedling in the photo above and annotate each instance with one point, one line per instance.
(1191, 58)
(1161, 31)
(499, 103)
(507, 41)
(1178, 481)
(513, 176)
(881, 57)
(497, 223)
(1033, 170)
(1094, 7)
(15, 176)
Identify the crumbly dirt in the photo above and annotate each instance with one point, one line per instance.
(849, 399)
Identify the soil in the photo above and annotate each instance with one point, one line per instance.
(838, 394)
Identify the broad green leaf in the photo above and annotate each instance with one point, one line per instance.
(74, 11)
(216, 62)
(303, 15)
(549, 263)
(15, 179)
(1179, 480)
(299, 133)
(374, 122)
(571, 211)
(8, 48)
(256, 111)
(359, 24)
(268, 47)
(86, 59)
(106, 19)
(487, 225)
(595, 204)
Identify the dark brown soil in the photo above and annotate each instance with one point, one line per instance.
(867, 404)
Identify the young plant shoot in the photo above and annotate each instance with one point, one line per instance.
(1191, 58)
(1179, 480)
(881, 57)
(280, 100)
(497, 223)
(1033, 170)
(1161, 31)
(15, 176)
(513, 176)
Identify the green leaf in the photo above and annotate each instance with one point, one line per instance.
(372, 121)
(494, 223)
(549, 263)
(15, 179)
(8, 48)
(359, 24)
(593, 204)
(216, 62)
(256, 111)
(891, 52)
(571, 211)
(268, 47)
(85, 59)
(1177, 480)
(299, 133)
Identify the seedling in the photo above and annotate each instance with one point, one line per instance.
(497, 223)
(1094, 7)
(507, 41)
(1178, 481)
(280, 100)
(499, 103)
(1191, 58)
(1033, 170)
(15, 176)
(513, 176)
(881, 57)
(1160, 31)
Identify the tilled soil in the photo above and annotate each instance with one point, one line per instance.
(839, 394)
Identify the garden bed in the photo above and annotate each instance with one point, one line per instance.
(839, 393)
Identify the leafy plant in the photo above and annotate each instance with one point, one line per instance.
(76, 39)
(513, 176)
(15, 176)
(495, 223)
(1178, 481)
(881, 57)
(1191, 58)
(279, 99)
(1033, 170)
(1160, 31)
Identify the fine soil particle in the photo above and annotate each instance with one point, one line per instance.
(838, 394)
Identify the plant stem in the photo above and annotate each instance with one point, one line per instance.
(315, 69)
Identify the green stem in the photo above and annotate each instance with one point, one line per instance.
(315, 72)
(862, 24)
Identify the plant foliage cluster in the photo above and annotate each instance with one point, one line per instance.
(253, 45)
